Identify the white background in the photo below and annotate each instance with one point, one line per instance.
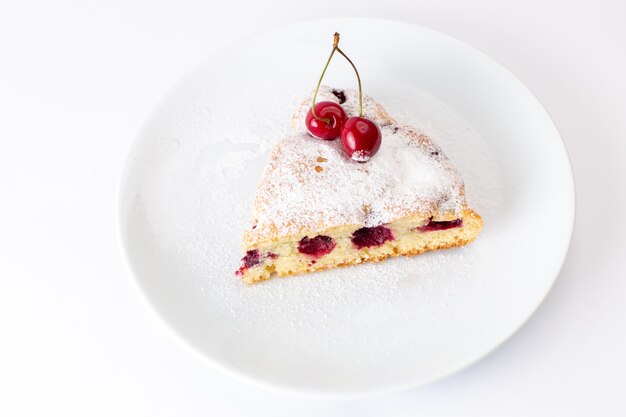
(77, 79)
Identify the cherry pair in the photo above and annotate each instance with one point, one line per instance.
(360, 137)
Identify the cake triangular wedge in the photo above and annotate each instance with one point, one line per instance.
(315, 208)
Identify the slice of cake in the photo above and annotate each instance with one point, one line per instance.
(315, 208)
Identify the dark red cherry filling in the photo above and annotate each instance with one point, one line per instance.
(253, 258)
(316, 247)
(432, 226)
(340, 95)
(371, 236)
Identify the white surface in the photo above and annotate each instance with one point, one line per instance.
(76, 82)
(348, 332)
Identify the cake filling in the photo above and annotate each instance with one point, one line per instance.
(253, 258)
(366, 237)
(432, 226)
(340, 95)
(316, 247)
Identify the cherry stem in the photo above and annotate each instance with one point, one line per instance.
(358, 79)
(319, 83)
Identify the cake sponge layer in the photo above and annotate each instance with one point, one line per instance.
(408, 237)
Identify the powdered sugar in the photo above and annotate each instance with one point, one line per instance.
(298, 193)
(360, 156)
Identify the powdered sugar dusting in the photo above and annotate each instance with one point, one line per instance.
(402, 178)
(409, 175)
(360, 156)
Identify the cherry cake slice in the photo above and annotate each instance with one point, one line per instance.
(315, 208)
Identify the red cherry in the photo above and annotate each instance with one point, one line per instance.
(322, 129)
(361, 138)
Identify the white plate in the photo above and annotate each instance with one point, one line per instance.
(186, 192)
